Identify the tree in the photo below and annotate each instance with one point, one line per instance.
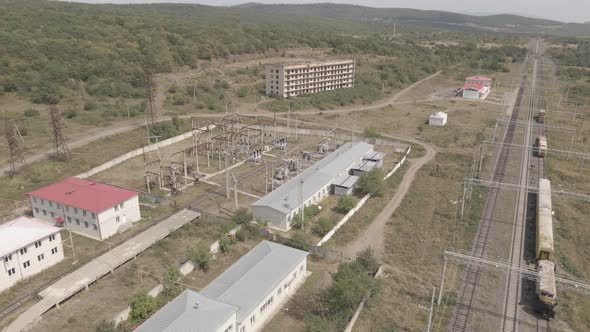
(200, 256)
(322, 227)
(371, 132)
(346, 203)
(367, 260)
(242, 216)
(170, 287)
(370, 182)
(142, 305)
(350, 284)
(300, 240)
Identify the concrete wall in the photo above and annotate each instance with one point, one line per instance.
(17, 260)
(275, 219)
(127, 215)
(471, 94)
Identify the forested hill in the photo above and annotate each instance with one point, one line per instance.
(498, 23)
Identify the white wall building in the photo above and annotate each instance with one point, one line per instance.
(291, 80)
(93, 209)
(438, 119)
(27, 247)
(242, 299)
(281, 205)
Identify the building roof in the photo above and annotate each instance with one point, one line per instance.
(365, 165)
(255, 276)
(473, 86)
(287, 197)
(188, 312)
(478, 78)
(375, 155)
(346, 181)
(442, 115)
(84, 194)
(21, 232)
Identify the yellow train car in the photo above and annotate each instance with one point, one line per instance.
(545, 245)
(546, 290)
(541, 146)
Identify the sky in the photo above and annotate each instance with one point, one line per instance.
(561, 10)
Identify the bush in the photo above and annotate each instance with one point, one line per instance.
(367, 260)
(346, 203)
(242, 216)
(90, 105)
(371, 133)
(142, 305)
(105, 326)
(29, 113)
(70, 114)
(225, 244)
(170, 288)
(242, 92)
(370, 183)
(322, 227)
(315, 323)
(163, 129)
(242, 235)
(200, 256)
(300, 240)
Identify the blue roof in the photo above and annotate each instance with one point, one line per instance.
(287, 197)
(255, 276)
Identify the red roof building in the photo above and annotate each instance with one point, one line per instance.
(473, 86)
(84, 194)
(486, 81)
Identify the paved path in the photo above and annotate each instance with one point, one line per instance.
(374, 235)
(99, 133)
(97, 268)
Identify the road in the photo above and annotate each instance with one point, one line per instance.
(125, 126)
(81, 278)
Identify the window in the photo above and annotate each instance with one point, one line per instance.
(51, 237)
(8, 258)
(75, 211)
(67, 208)
(229, 328)
(279, 291)
(116, 208)
(50, 204)
(117, 219)
(41, 257)
(54, 251)
(252, 319)
(26, 264)
(23, 251)
(37, 244)
(69, 219)
(121, 205)
(52, 215)
(93, 215)
(36, 210)
(86, 224)
(94, 226)
(84, 213)
(44, 212)
(58, 205)
(11, 271)
(77, 221)
(42, 202)
(34, 199)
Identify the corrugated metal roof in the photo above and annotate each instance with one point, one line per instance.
(21, 232)
(376, 155)
(84, 194)
(365, 165)
(250, 280)
(346, 180)
(188, 312)
(287, 197)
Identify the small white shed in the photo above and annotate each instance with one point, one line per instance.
(437, 119)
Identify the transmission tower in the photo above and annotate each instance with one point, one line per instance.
(61, 148)
(152, 114)
(15, 154)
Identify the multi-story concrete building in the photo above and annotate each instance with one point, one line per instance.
(242, 299)
(292, 80)
(27, 247)
(93, 209)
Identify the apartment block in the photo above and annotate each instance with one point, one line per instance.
(27, 247)
(292, 80)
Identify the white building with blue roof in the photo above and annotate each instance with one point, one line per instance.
(281, 205)
(241, 299)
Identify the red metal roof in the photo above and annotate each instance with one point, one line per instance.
(469, 86)
(478, 78)
(84, 194)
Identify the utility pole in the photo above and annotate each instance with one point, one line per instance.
(226, 177)
(442, 281)
(302, 209)
(431, 310)
(235, 180)
(72, 245)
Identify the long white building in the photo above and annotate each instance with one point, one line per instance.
(292, 80)
(242, 299)
(93, 209)
(27, 247)
(281, 205)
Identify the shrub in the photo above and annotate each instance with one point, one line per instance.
(29, 113)
(142, 305)
(371, 133)
(322, 227)
(367, 260)
(170, 287)
(90, 105)
(346, 203)
(105, 326)
(70, 114)
(242, 92)
(242, 216)
(370, 183)
(200, 256)
(163, 129)
(300, 240)
(225, 244)
(242, 235)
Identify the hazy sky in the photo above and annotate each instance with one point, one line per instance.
(563, 10)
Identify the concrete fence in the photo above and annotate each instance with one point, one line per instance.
(139, 152)
(362, 202)
(361, 306)
(185, 269)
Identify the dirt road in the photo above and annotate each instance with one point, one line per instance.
(100, 133)
(374, 236)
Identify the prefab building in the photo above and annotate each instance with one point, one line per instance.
(309, 187)
(27, 247)
(437, 119)
(344, 185)
(363, 166)
(89, 208)
(376, 157)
